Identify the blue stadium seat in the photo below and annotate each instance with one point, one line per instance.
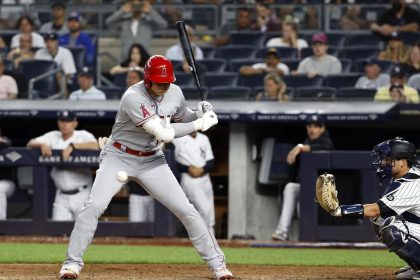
(410, 37)
(8, 64)
(346, 65)
(292, 63)
(366, 39)
(214, 64)
(302, 81)
(253, 38)
(341, 80)
(33, 68)
(231, 52)
(208, 51)
(112, 92)
(79, 54)
(220, 79)
(305, 52)
(184, 79)
(235, 64)
(192, 93)
(336, 39)
(314, 93)
(359, 52)
(252, 80)
(386, 65)
(230, 93)
(285, 52)
(120, 80)
(357, 94)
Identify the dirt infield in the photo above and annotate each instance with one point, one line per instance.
(198, 272)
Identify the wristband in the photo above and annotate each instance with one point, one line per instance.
(352, 211)
(300, 146)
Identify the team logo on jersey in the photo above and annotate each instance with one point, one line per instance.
(164, 71)
(144, 111)
(390, 197)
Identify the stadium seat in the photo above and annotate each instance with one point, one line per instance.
(120, 80)
(366, 39)
(305, 52)
(302, 81)
(214, 64)
(208, 51)
(220, 79)
(357, 94)
(184, 79)
(291, 63)
(8, 64)
(192, 93)
(235, 64)
(336, 39)
(285, 52)
(232, 52)
(79, 54)
(252, 38)
(410, 37)
(341, 80)
(359, 65)
(251, 80)
(112, 92)
(34, 68)
(346, 65)
(314, 93)
(359, 52)
(230, 93)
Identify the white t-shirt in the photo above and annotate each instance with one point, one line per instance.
(67, 179)
(281, 66)
(63, 58)
(278, 42)
(37, 41)
(91, 94)
(176, 53)
(8, 86)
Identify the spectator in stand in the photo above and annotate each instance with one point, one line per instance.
(289, 37)
(373, 78)
(397, 90)
(352, 20)
(23, 52)
(58, 23)
(243, 22)
(8, 86)
(395, 50)
(62, 56)
(9, 15)
(137, 57)
(2, 43)
(134, 76)
(87, 90)
(399, 18)
(137, 21)
(320, 63)
(266, 18)
(7, 187)
(274, 89)
(26, 26)
(412, 63)
(272, 64)
(175, 52)
(77, 38)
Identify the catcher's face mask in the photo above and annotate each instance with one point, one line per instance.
(382, 160)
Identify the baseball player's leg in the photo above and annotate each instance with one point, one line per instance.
(77, 202)
(139, 208)
(203, 202)
(160, 182)
(6, 190)
(290, 196)
(104, 188)
(61, 208)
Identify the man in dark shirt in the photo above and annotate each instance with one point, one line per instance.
(243, 22)
(318, 139)
(399, 18)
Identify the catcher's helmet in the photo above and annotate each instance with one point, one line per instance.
(158, 69)
(394, 149)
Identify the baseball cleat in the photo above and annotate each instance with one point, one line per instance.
(69, 272)
(222, 273)
(405, 272)
(279, 236)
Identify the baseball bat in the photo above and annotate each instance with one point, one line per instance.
(189, 55)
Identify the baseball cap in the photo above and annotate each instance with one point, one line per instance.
(74, 16)
(371, 61)
(58, 4)
(272, 51)
(397, 71)
(395, 36)
(319, 38)
(51, 36)
(66, 116)
(85, 72)
(395, 86)
(315, 119)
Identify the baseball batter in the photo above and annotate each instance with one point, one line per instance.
(195, 159)
(141, 125)
(396, 215)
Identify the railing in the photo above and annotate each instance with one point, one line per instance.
(62, 92)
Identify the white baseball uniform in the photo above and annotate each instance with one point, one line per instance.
(150, 169)
(73, 184)
(197, 151)
(7, 188)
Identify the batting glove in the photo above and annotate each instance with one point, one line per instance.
(102, 141)
(208, 120)
(203, 107)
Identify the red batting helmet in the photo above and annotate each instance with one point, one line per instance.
(158, 69)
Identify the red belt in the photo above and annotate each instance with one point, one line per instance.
(123, 148)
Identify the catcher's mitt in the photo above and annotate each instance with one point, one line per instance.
(326, 193)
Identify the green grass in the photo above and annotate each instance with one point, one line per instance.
(55, 253)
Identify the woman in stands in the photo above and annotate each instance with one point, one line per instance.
(26, 26)
(137, 57)
(412, 63)
(274, 89)
(395, 50)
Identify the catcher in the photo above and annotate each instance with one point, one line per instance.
(396, 215)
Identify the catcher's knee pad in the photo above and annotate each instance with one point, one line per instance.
(406, 247)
